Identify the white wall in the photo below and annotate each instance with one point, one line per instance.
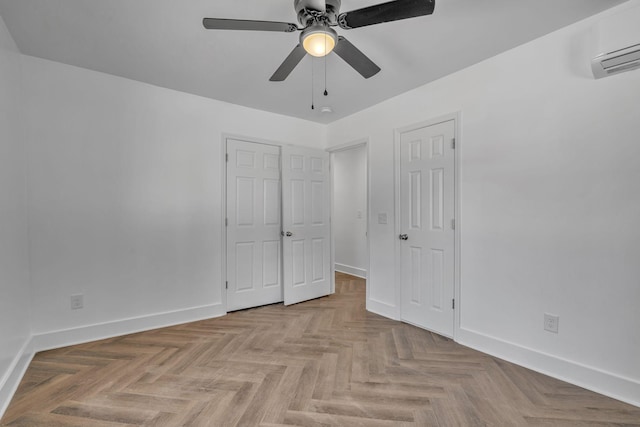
(15, 330)
(125, 199)
(550, 202)
(349, 220)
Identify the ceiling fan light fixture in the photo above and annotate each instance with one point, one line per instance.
(318, 40)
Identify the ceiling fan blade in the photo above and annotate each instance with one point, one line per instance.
(385, 12)
(244, 24)
(289, 64)
(358, 60)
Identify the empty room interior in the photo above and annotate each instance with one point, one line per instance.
(319, 212)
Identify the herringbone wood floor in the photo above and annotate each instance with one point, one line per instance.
(325, 362)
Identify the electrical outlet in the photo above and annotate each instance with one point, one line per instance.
(77, 301)
(551, 322)
(359, 215)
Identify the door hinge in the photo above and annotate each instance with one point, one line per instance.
(453, 303)
(453, 143)
(226, 157)
(226, 285)
(226, 222)
(453, 224)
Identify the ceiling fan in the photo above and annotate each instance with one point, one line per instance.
(317, 38)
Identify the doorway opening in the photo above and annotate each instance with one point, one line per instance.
(350, 213)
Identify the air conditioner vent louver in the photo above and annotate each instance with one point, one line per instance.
(624, 67)
(616, 62)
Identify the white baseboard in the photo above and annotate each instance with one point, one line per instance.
(354, 271)
(14, 375)
(84, 334)
(606, 383)
(382, 309)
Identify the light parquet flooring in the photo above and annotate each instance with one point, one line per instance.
(325, 362)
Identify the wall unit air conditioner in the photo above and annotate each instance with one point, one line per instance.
(618, 37)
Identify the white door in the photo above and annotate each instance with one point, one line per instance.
(305, 218)
(427, 229)
(254, 265)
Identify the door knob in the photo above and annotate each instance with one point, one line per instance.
(289, 234)
(404, 237)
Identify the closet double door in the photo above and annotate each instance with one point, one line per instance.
(277, 224)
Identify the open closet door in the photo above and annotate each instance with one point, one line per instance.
(306, 224)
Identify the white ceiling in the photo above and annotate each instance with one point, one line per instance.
(163, 42)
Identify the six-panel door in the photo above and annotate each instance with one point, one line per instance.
(254, 263)
(426, 222)
(306, 213)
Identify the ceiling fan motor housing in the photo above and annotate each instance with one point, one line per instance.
(308, 15)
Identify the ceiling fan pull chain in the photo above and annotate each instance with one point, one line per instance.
(312, 106)
(325, 68)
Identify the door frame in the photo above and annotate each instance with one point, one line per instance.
(362, 142)
(457, 118)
